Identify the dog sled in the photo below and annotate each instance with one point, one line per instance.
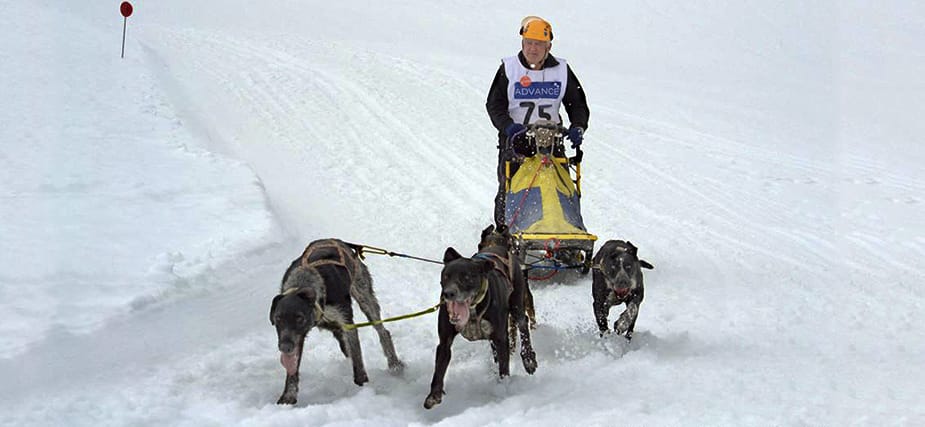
(542, 204)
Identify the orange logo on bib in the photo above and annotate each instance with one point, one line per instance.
(525, 81)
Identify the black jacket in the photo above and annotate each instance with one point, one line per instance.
(576, 106)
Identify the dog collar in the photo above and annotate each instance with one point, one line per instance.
(483, 290)
(501, 264)
(319, 310)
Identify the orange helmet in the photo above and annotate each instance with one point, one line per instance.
(536, 28)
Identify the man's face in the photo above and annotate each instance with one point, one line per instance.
(535, 51)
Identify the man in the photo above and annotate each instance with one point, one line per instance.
(529, 87)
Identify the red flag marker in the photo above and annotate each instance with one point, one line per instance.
(126, 9)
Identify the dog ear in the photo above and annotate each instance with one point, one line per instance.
(502, 229)
(273, 307)
(450, 255)
(487, 231)
(631, 248)
(645, 264)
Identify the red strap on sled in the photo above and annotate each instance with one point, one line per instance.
(520, 205)
(550, 252)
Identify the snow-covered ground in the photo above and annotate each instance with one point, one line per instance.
(767, 158)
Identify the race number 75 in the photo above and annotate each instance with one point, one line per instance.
(530, 106)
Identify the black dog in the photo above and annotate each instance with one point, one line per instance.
(481, 296)
(618, 279)
(316, 291)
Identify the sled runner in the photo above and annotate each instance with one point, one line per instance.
(542, 204)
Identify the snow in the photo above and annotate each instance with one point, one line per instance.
(766, 158)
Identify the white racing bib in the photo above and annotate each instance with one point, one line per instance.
(534, 94)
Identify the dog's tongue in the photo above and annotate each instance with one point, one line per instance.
(459, 312)
(290, 362)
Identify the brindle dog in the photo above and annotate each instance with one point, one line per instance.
(481, 296)
(618, 279)
(317, 290)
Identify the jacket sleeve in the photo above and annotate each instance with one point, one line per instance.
(497, 101)
(576, 106)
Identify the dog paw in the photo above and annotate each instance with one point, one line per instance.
(433, 399)
(621, 325)
(396, 367)
(360, 379)
(530, 365)
(286, 399)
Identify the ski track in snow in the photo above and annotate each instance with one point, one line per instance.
(772, 168)
(303, 127)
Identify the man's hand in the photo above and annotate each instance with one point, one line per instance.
(575, 135)
(517, 139)
(513, 129)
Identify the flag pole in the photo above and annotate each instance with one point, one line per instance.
(124, 24)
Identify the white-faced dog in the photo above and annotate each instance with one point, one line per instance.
(482, 296)
(617, 280)
(317, 290)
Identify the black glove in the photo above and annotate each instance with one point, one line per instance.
(575, 135)
(513, 128)
(517, 139)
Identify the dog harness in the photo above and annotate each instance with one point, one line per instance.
(502, 264)
(342, 260)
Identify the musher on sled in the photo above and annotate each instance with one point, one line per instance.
(528, 87)
(539, 186)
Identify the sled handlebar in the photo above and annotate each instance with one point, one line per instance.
(552, 135)
(551, 126)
